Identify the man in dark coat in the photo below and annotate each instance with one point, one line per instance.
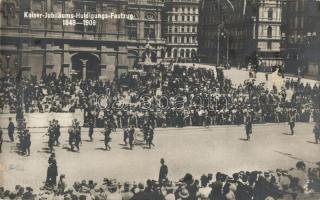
(216, 192)
(11, 129)
(131, 137)
(163, 172)
(292, 121)
(107, 132)
(150, 136)
(125, 136)
(52, 174)
(248, 126)
(57, 131)
(91, 126)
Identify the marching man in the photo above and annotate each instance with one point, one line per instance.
(248, 125)
(292, 119)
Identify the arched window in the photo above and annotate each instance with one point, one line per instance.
(270, 13)
(188, 53)
(168, 53)
(175, 53)
(182, 53)
(149, 26)
(132, 29)
(269, 33)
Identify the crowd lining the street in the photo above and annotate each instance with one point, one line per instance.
(165, 96)
(243, 185)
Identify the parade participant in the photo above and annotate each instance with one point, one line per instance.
(150, 136)
(51, 133)
(91, 126)
(27, 142)
(52, 158)
(71, 138)
(52, 173)
(77, 138)
(57, 131)
(107, 133)
(292, 120)
(145, 129)
(316, 131)
(77, 134)
(248, 125)
(11, 129)
(1, 140)
(131, 136)
(163, 173)
(125, 136)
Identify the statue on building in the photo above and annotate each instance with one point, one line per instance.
(147, 52)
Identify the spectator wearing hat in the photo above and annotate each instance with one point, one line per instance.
(204, 191)
(113, 191)
(183, 194)
(29, 194)
(62, 185)
(141, 194)
(169, 191)
(126, 193)
(216, 187)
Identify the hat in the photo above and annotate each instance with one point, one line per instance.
(183, 193)
(29, 189)
(126, 184)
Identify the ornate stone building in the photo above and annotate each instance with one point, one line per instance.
(239, 32)
(91, 49)
(180, 24)
(302, 30)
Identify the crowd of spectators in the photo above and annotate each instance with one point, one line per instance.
(174, 96)
(244, 185)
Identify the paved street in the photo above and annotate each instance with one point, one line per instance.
(194, 150)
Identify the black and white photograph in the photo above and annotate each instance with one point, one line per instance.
(160, 99)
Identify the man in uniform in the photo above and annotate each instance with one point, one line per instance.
(52, 136)
(77, 135)
(248, 125)
(57, 131)
(125, 136)
(145, 129)
(150, 136)
(131, 136)
(107, 133)
(292, 121)
(11, 129)
(91, 125)
(71, 138)
(163, 172)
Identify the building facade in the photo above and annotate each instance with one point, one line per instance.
(180, 27)
(302, 30)
(241, 32)
(100, 48)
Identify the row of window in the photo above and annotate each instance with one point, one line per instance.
(183, 53)
(182, 29)
(182, 39)
(149, 30)
(183, 18)
(185, 9)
